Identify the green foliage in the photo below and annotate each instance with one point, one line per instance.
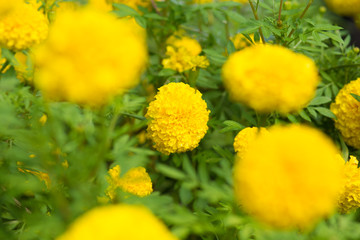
(192, 191)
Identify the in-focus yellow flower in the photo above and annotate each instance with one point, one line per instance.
(346, 110)
(270, 78)
(178, 118)
(22, 28)
(287, 179)
(349, 199)
(89, 57)
(115, 222)
(342, 7)
(183, 54)
(240, 41)
(245, 138)
(135, 181)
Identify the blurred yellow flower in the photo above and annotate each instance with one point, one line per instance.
(349, 199)
(344, 7)
(115, 222)
(245, 138)
(346, 111)
(23, 28)
(90, 57)
(183, 54)
(270, 78)
(24, 72)
(178, 118)
(6, 6)
(287, 179)
(135, 181)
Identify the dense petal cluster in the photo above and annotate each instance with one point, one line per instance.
(287, 179)
(347, 111)
(178, 118)
(89, 57)
(183, 54)
(245, 138)
(270, 78)
(347, 8)
(22, 28)
(135, 181)
(116, 222)
(349, 199)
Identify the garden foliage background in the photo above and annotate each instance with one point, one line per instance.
(193, 191)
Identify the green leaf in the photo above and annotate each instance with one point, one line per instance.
(230, 47)
(333, 36)
(325, 112)
(231, 126)
(123, 10)
(357, 97)
(170, 172)
(166, 72)
(319, 101)
(303, 114)
(214, 56)
(141, 21)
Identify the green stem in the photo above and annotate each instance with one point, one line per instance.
(279, 23)
(257, 18)
(302, 15)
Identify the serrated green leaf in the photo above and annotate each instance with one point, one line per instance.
(357, 97)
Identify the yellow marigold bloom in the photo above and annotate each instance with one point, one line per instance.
(135, 181)
(116, 222)
(245, 138)
(89, 57)
(183, 54)
(349, 199)
(287, 179)
(178, 118)
(22, 28)
(346, 111)
(270, 78)
(347, 8)
(240, 41)
(103, 5)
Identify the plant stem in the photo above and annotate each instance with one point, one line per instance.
(153, 3)
(302, 15)
(279, 23)
(257, 18)
(4, 66)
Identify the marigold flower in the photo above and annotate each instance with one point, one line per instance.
(90, 57)
(270, 78)
(23, 28)
(183, 54)
(115, 222)
(286, 178)
(346, 111)
(135, 181)
(245, 138)
(341, 7)
(349, 199)
(178, 118)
